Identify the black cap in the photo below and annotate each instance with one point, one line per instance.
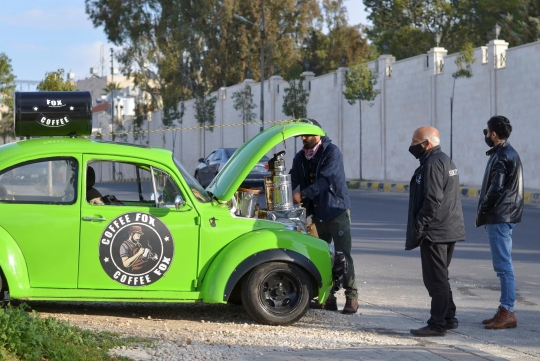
(310, 121)
(314, 122)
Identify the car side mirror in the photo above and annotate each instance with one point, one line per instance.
(201, 160)
(179, 202)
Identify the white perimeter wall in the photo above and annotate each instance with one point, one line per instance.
(414, 92)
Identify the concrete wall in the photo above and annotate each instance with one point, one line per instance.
(414, 92)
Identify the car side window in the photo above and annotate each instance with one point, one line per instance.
(210, 157)
(217, 156)
(45, 181)
(120, 183)
(166, 188)
(117, 183)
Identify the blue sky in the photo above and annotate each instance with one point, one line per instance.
(42, 36)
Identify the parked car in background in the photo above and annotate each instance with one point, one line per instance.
(210, 166)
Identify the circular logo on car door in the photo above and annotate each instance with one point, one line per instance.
(136, 249)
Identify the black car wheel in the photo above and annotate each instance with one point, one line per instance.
(3, 287)
(276, 293)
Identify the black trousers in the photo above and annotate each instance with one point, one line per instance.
(436, 258)
(338, 229)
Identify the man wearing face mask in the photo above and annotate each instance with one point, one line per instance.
(499, 209)
(435, 224)
(318, 170)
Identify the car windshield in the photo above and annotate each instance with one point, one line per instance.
(264, 159)
(197, 190)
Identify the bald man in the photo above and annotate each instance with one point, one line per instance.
(435, 224)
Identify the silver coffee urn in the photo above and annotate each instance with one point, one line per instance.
(283, 200)
(279, 193)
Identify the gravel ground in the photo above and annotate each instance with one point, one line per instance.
(215, 332)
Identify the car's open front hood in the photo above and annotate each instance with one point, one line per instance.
(227, 181)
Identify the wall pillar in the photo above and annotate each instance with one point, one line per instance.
(308, 76)
(275, 91)
(496, 60)
(384, 67)
(435, 67)
(339, 84)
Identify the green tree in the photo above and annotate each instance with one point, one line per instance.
(205, 113)
(523, 26)
(173, 115)
(175, 47)
(296, 96)
(409, 26)
(111, 87)
(142, 108)
(243, 102)
(360, 86)
(332, 37)
(54, 81)
(7, 89)
(464, 62)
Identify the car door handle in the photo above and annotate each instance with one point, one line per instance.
(93, 219)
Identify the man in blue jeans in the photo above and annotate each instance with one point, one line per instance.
(499, 209)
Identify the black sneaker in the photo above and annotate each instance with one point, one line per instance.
(428, 332)
(330, 304)
(451, 325)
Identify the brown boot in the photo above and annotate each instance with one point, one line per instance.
(351, 306)
(505, 319)
(490, 320)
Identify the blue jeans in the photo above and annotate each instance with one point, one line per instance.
(500, 242)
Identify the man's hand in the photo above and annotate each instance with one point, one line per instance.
(297, 198)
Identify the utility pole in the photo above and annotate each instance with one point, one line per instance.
(112, 90)
(262, 65)
(112, 110)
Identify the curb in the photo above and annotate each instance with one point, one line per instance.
(466, 192)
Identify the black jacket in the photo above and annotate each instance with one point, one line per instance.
(501, 197)
(435, 210)
(329, 195)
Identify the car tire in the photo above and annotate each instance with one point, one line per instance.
(3, 287)
(276, 293)
(236, 296)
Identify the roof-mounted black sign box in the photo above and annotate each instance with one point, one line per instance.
(62, 113)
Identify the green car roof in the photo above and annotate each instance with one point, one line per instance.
(54, 147)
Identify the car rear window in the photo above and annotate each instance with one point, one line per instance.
(230, 151)
(43, 181)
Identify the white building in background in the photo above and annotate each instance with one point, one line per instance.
(124, 100)
(414, 92)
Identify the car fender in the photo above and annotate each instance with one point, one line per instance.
(257, 247)
(13, 264)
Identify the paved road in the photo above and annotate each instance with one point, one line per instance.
(393, 298)
(390, 278)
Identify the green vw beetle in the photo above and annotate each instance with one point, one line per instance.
(87, 220)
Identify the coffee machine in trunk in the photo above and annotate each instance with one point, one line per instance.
(279, 195)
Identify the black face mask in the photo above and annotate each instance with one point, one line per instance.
(488, 140)
(417, 150)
